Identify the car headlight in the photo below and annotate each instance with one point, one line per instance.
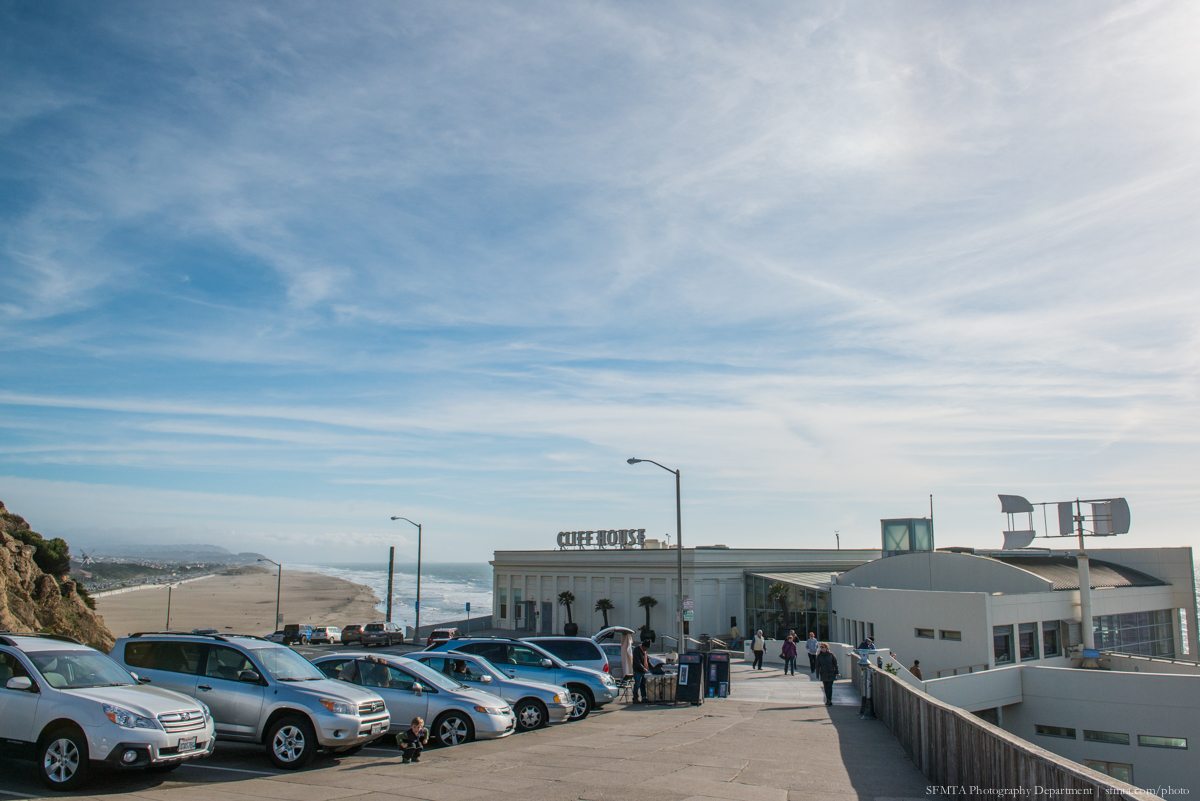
(607, 680)
(339, 707)
(128, 720)
(483, 710)
(207, 713)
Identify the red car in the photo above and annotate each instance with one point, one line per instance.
(438, 636)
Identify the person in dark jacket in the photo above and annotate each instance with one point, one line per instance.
(641, 666)
(789, 655)
(827, 671)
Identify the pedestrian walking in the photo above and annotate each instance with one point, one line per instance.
(758, 646)
(412, 740)
(812, 648)
(827, 671)
(916, 670)
(641, 667)
(789, 655)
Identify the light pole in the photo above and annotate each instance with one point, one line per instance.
(278, 587)
(682, 643)
(417, 622)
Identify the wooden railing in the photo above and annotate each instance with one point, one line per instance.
(966, 757)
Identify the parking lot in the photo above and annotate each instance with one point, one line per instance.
(772, 741)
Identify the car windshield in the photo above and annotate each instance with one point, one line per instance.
(284, 664)
(436, 678)
(72, 670)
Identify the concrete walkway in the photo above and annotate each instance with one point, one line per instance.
(774, 740)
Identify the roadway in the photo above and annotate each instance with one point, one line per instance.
(774, 740)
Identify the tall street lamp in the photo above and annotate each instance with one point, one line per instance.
(682, 643)
(278, 587)
(417, 626)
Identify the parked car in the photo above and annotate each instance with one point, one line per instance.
(459, 712)
(613, 651)
(68, 707)
(351, 633)
(326, 634)
(381, 634)
(590, 689)
(441, 635)
(260, 692)
(205, 631)
(575, 651)
(297, 633)
(535, 704)
(276, 637)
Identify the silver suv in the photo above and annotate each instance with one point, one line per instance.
(67, 706)
(260, 692)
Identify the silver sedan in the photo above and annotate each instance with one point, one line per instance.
(459, 713)
(535, 703)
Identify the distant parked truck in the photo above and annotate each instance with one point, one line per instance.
(297, 633)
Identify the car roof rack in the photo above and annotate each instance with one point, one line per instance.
(5, 636)
(218, 637)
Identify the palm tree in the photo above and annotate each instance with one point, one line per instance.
(566, 598)
(647, 602)
(604, 606)
(778, 592)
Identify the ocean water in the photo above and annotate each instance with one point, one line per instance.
(446, 587)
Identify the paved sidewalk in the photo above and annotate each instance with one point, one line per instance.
(769, 684)
(774, 740)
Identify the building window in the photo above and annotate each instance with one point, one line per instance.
(1120, 771)
(1145, 633)
(1154, 741)
(518, 608)
(1183, 633)
(1028, 636)
(1115, 737)
(950, 635)
(1055, 731)
(1002, 644)
(925, 634)
(1050, 638)
(503, 604)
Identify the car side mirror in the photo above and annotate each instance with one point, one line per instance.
(249, 676)
(20, 683)
(486, 679)
(418, 689)
(546, 663)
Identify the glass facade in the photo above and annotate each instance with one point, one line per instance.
(907, 535)
(1144, 633)
(807, 609)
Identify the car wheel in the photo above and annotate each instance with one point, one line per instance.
(453, 728)
(63, 759)
(291, 742)
(581, 703)
(531, 714)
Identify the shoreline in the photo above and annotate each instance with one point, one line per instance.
(243, 604)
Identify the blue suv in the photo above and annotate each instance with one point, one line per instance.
(590, 689)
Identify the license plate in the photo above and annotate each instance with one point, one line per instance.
(187, 744)
(376, 728)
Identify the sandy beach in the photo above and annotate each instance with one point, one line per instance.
(243, 604)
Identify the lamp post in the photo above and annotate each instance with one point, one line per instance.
(417, 622)
(682, 643)
(278, 587)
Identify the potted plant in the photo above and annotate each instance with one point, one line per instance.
(648, 602)
(566, 598)
(604, 606)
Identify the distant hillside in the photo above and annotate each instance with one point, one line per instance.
(35, 592)
(185, 553)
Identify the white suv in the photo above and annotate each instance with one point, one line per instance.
(67, 706)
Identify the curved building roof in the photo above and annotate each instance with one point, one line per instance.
(1063, 572)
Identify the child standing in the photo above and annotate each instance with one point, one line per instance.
(412, 740)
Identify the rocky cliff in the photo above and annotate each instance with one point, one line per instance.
(33, 600)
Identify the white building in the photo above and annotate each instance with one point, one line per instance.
(726, 586)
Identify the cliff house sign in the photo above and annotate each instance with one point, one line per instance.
(612, 538)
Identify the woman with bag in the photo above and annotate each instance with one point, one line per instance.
(789, 655)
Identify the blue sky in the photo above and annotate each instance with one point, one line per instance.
(270, 274)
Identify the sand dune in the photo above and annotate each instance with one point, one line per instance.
(243, 604)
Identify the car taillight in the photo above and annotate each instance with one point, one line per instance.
(605, 667)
